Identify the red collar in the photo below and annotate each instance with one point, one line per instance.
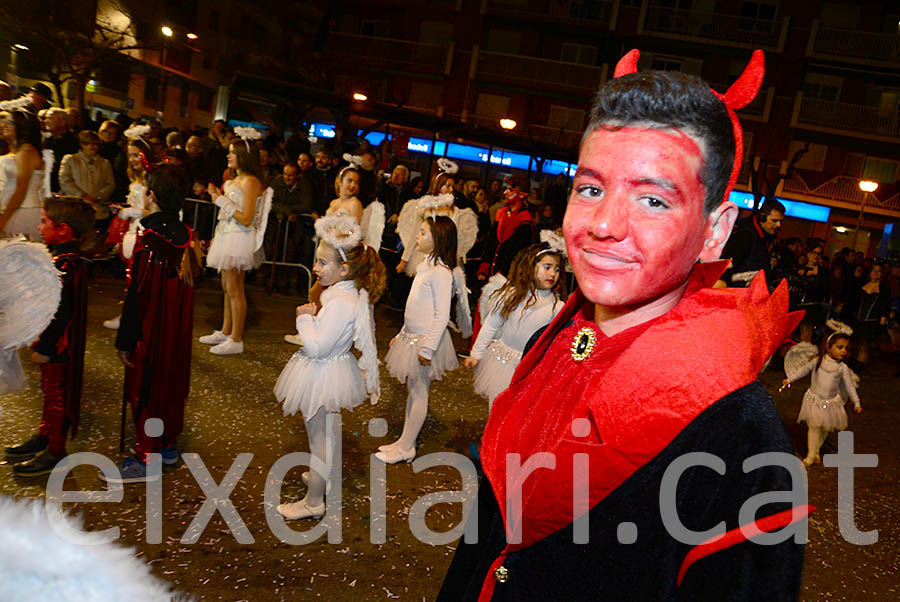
(637, 391)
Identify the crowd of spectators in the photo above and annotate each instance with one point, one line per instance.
(91, 163)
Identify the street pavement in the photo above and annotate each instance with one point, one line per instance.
(232, 411)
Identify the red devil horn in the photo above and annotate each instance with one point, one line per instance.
(628, 63)
(744, 90)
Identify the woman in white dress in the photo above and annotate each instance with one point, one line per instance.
(234, 249)
(23, 185)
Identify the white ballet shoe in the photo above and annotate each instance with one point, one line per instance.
(213, 339)
(305, 478)
(388, 446)
(299, 510)
(228, 347)
(112, 323)
(396, 455)
(293, 339)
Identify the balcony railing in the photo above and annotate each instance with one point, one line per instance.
(851, 44)
(590, 13)
(388, 52)
(856, 120)
(541, 72)
(843, 189)
(559, 136)
(717, 28)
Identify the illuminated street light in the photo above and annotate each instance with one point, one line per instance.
(192, 36)
(359, 96)
(868, 186)
(20, 47)
(508, 124)
(167, 31)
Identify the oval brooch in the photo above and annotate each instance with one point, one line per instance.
(583, 343)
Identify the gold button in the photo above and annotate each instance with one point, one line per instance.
(501, 574)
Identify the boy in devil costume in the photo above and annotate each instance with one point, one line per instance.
(154, 338)
(646, 363)
(60, 348)
(510, 234)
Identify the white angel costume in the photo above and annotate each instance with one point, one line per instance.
(27, 217)
(234, 245)
(30, 289)
(323, 373)
(501, 341)
(133, 211)
(373, 224)
(831, 384)
(414, 213)
(425, 322)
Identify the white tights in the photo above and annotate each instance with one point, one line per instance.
(815, 437)
(416, 410)
(321, 445)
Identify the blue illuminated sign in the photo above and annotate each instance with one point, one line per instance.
(798, 209)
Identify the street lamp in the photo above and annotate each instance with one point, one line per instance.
(191, 35)
(360, 97)
(868, 187)
(167, 31)
(508, 124)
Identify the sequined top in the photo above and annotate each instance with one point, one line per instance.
(515, 330)
(828, 377)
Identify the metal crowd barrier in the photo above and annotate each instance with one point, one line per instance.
(271, 262)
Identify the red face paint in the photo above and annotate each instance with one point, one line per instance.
(635, 223)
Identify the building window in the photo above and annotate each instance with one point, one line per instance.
(436, 32)
(151, 89)
(566, 118)
(665, 63)
(205, 98)
(880, 170)
(582, 54)
(822, 87)
(214, 20)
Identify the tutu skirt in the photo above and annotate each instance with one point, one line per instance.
(402, 358)
(828, 414)
(494, 371)
(310, 384)
(234, 250)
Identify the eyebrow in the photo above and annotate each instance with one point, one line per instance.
(661, 182)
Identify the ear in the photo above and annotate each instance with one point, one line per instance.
(65, 232)
(345, 270)
(718, 229)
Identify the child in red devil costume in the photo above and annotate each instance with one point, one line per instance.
(615, 461)
(154, 338)
(60, 349)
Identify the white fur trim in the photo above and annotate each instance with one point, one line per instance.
(447, 166)
(339, 231)
(137, 131)
(431, 202)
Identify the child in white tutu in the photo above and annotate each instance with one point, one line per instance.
(832, 382)
(422, 351)
(236, 246)
(323, 376)
(528, 301)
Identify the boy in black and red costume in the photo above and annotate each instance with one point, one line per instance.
(645, 364)
(511, 233)
(154, 338)
(60, 348)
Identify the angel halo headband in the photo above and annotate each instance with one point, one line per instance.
(19, 104)
(339, 232)
(739, 95)
(247, 134)
(447, 166)
(431, 202)
(554, 243)
(839, 328)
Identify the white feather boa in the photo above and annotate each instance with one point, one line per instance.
(364, 341)
(37, 563)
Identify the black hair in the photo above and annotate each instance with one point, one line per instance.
(170, 185)
(28, 129)
(443, 231)
(675, 100)
(768, 206)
